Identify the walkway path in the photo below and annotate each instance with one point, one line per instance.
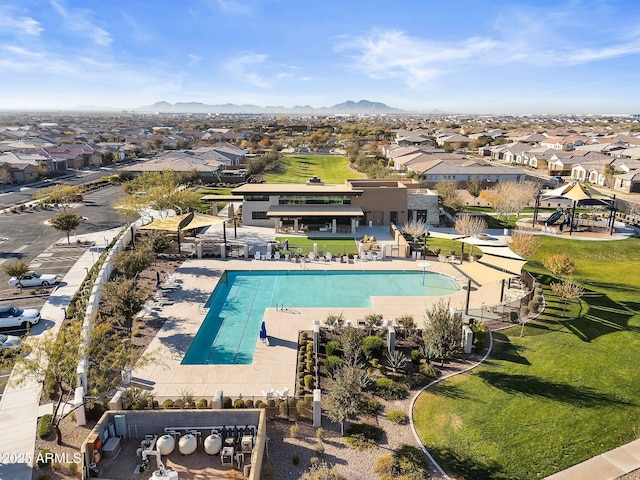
(19, 403)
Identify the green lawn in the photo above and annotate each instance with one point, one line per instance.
(337, 246)
(300, 168)
(566, 391)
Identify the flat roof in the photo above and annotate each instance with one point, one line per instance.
(314, 211)
(294, 189)
(221, 198)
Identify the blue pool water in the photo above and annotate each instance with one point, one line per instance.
(229, 332)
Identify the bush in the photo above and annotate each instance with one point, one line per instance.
(363, 435)
(271, 403)
(309, 365)
(534, 305)
(524, 311)
(227, 402)
(429, 370)
(320, 433)
(309, 348)
(261, 404)
(331, 364)
(238, 403)
(167, 404)
(43, 457)
(293, 430)
(389, 390)
(333, 347)
(372, 407)
(398, 417)
(375, 362)
(360, 442)
(372, 347)
(44, 426)
(202, 403)
(385, 465)
(308, 382)
(319, 448)
(480, 334)
(416, 357)
(383, 369)
(248, 403)
(295, 459)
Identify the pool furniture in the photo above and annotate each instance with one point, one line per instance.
(276, 256)
(327, 256)
(257, 255)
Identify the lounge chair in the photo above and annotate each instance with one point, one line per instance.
(363, 256)
(327, 256)
(276, 256)
(379, 256)
(369, 255)
(312, 256)
(257, 256)
(268, 256)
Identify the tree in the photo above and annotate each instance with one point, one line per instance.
(469, 226)
(474, 187)
(449, 197)
(17, 269)
(372, 321)
(345, 399)
(121, 299)
(66, 222)
(54, 360)
(559, 264)
(609, 172)
(60, 193)
(415, 228)
(351, 340)
(567, 290)
(442, 333)
(132, 262)
(523, 243)
(510, 198)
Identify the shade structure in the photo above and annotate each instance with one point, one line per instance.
(187, 221)
(481, 274)
(509, 265)
(499, 251)
(577, 192)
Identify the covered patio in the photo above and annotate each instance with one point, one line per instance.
(309, 218)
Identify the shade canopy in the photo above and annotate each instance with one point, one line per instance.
(577, 192)
(497, 263)
(188, 221)
(482, 274)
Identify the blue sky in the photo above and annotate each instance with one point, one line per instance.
(473, 56)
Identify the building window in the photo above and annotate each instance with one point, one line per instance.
(256, 198)
(259, 216)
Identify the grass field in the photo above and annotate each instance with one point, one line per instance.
(565, 391)
(300, 168)
(337, 246)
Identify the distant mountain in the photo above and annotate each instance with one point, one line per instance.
(349, 107)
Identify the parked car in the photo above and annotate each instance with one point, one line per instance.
(9, 342)
(17, 317)
(33, 279)
(558, 179)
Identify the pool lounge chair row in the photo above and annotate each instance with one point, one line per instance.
(312, 257)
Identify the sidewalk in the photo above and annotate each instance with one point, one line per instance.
(19, 403)
(606, 466)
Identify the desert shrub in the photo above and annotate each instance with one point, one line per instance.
(398, 417)
(44, 426)
(320, 433)
(73, 469)
(416, 356)
(389, 390)
(331, 364)
(271, 403)
(304, 337)
(238, 403)
(308, 381)
(480, 334)
(385, 465)
(295, 459)
(309, 365)
(167, 404)
(43, 457)
(261, 404)
(202, 403)
(383, 369)
(227, 402)
(372, 407)
(310, 348)
(363, 435)
(372, 347)
(429, 370)
(294, 430)
(319, 448)
(285, 406)
(375, 362)
(534, 305)
(524, 311)
(248, 403)
(333, 347)
(369, 371)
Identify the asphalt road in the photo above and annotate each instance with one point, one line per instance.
(27, 237)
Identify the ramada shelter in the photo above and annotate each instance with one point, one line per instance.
(316, 207)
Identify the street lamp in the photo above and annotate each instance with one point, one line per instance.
(424, 266)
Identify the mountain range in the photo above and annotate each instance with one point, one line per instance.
(348, 107)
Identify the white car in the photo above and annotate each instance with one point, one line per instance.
(18, 317)
(33, 279)
(9, 342)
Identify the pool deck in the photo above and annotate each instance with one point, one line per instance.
(274, 362)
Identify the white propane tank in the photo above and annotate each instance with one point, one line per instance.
(165, 444)
(187, 444)
(164, 475)
(213, 444)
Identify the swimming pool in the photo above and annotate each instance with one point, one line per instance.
(230, 330)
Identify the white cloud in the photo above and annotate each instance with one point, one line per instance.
(12, 22)
(240, 67)
(234, 7)
(194, 59)
(78, 21)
